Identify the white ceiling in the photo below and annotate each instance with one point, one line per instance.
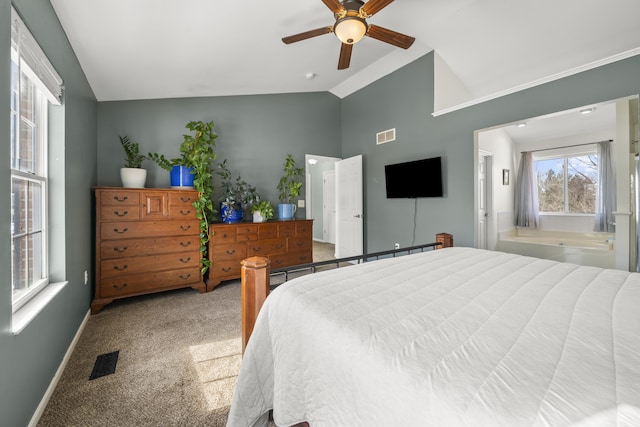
(147, 49)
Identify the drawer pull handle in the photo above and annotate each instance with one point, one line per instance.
(279, 246)
(226, 269)
(118, 199)
(224, 235)
(300, 244)
(185, 213)
(184, 245)
(279, 261)
(123, 268)
(120, 250)
(183, 228)
(125, 213)
(124, 230)
(230, 252)
(184, 261)
(124, 285)
(185, 199)
(257, 249)
(183, 277)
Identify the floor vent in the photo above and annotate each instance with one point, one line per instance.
(105, 365)
(386, 136)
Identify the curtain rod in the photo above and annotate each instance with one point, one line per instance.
(566, 146)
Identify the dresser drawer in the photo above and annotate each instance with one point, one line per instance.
(125, 230)
(299, 244)
(286, 229)
(304, 228)
(225, 268)
(119, 198)
(181, 205)
(267, 247)
(120, 213)
(143, 282)
(139, 247)
(267, 231)
(222, 235)
(131, 265)
(234, 250)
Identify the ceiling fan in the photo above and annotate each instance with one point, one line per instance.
(351, 26)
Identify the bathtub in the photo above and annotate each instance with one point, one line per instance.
(579, 248)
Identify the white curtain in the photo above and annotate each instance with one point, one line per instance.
(606, 197)
(527, 194)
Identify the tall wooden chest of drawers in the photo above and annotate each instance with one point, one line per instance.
(147, 240)
(285, 243)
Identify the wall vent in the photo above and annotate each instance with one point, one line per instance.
(386, 136)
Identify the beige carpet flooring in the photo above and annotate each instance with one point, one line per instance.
(177, 366)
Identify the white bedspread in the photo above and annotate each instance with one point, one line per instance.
(451, 337)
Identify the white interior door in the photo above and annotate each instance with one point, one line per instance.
(349, 211)
(482, 202)
(329, 206)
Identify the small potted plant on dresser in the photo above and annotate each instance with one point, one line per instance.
(193, 169)
(289, 188)
(262, 211)
(132, 175)
(236, 196)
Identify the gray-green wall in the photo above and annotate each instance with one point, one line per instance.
(255, 133)
(404, 100)
(28, 361)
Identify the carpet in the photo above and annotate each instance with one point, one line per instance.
(179, 353)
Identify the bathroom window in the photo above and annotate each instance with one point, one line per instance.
(567, 184)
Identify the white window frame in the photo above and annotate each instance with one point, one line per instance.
(33, 64)
(564, 153)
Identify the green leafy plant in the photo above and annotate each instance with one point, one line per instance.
(197, 151)
(235, 192)
(132, 150)
(290, 184)
(265, 209)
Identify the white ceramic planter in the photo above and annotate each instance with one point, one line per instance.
(257, 217)
(133, 177)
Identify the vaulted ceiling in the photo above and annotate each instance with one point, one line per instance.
(147, 49)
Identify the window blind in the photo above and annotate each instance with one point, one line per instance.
(33, 60)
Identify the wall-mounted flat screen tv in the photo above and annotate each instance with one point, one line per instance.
(418, 178)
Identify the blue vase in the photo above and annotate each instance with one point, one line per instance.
(286, 210)
(229, 216)
(182, 177)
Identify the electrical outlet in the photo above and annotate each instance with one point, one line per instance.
(86, 277)
(396, 246)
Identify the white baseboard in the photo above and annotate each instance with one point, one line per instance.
(56, 378)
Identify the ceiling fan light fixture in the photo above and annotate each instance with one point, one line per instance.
(350, 29)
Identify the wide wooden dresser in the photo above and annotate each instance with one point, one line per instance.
(285, 243)
(147, 240)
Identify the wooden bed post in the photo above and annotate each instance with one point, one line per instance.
(446, 239)
(254, 274)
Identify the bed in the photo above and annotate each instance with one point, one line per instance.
(453, 337)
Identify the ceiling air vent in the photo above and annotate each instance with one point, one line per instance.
(386, 136)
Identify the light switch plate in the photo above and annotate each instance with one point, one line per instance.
(301, 203)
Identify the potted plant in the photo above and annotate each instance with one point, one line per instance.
(262, 211)
(236, 195)
(132, 175)
(289, 188)
(197, 155)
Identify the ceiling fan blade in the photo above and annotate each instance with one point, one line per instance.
(334, 5)
(306, 35)
(389, 36)
(345, 56)
(374, 6)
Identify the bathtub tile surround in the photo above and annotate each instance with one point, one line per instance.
(594, 248)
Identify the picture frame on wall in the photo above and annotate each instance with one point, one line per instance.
(505, 176)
